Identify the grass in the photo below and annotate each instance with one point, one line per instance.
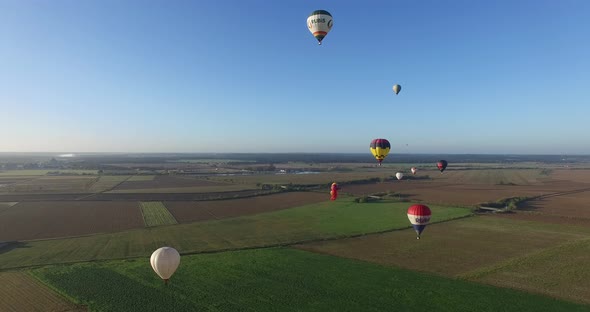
(155, 213)
(323, 220)
(279, 280)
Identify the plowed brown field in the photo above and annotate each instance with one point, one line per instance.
(221, 209)
(576, 175)
(446, 192)
(21, 292)
(37, 220)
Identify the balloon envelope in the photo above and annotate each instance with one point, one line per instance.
(419, 216)
(399, 175)
(397, 88)
(320, 23)
(165, 261)
(380, 148)
(414, 170)
(334, 191)
(442, 165)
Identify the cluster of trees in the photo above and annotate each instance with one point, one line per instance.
(510, 203)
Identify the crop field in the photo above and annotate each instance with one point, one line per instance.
(44, 172)
(466, 244)
(107, 182)
(4, 205)
(486, 249)
(157, 196)
(312, 178)
(325, 220)
(562, 271)
(222, 209)
(191, 189)
(446, 193)
(38, 220)
(155, 213)
(165, 182)
(280, 280)
(492, 176)
(573, 205)
(137, 178)
(64, 184)
(4, 180)
(338, 247)
(21, 292)
(581, 175)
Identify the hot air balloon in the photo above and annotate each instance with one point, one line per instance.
(334, 191)
(165, 261)
(399, 175)
(442, 165)
(419, 216)
(320, 23)
(397, 88)
(380, 148)
(414, 170)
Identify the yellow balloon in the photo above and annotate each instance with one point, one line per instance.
(380, 148)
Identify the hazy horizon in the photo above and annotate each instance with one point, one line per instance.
(501, 77)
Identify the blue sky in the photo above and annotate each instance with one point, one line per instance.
(502, 76)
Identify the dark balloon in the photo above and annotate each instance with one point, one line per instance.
(442, 165)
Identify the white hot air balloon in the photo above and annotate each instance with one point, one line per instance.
(165, 261)
(414, 170)
(399, 175)
(319, 23)
(397, 88)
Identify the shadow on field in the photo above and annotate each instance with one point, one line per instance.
(9, 246)
(530, 205)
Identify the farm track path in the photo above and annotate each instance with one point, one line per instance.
(103, 191)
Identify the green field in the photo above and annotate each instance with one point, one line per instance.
(155, 214)
(279, 280)
(323, 220)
